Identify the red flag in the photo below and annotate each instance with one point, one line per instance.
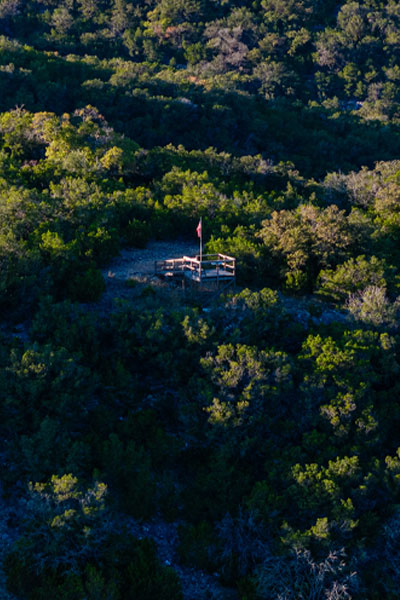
(199, 229)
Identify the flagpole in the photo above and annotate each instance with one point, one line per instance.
(201, 239)
(201, 243)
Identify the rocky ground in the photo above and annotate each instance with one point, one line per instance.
(127, 274)
(196, 584)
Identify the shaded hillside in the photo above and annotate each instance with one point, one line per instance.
(259, 432)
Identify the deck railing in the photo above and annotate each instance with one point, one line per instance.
(211, 266)
(170, 265)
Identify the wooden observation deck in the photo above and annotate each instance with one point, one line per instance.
(212, 271)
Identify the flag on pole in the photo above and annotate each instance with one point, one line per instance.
(199, 230)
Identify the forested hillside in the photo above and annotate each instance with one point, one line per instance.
(262, 425)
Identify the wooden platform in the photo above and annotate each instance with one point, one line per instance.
(212, 269)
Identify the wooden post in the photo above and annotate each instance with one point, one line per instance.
(201, 238)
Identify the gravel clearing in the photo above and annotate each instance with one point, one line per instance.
(137, 265)
(136, 262)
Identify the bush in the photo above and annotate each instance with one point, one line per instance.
(127, 469)
(300, 577)
(86, 286)
(72, 549)
(296, 282)
(242, 545)
(137, 233)
(373, 307)
(354, 276)
(196, 544)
